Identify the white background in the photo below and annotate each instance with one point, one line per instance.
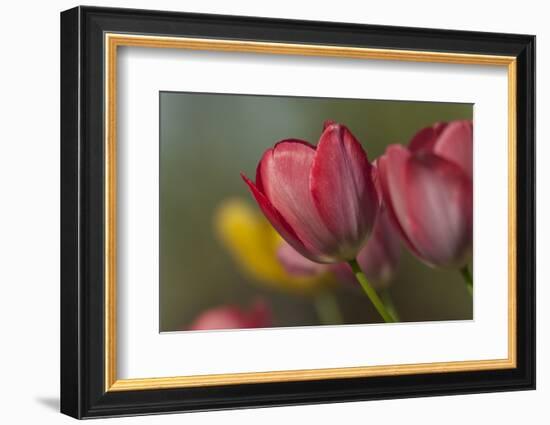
(145, 72)
(29, 224)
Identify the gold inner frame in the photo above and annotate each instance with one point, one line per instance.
(113, 41)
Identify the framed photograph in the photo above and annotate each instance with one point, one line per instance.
(261, 212)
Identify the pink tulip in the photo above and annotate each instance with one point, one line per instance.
(321, 200)
(233, 317)
(427, 189)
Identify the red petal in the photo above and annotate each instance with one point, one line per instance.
(393, 184)
(328, 123)
(270, 152)
(284, 175)
(223, 317)
(343, 190)
(425, 139)
(260, 315)
(376, 179)
(380, 256)
(233, 317)
(439, 209)
(455, 143)
(296, 264)
(274, 217)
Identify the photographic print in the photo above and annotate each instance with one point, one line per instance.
(298, 211)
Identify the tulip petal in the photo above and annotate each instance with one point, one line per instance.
(439, 210)
(455, 143)
(295, 264)
(342, 188)
(424, 140)
(376, 180)
(233, 317)
(393, 184)
(283, 174)
(328, 123)
(380, 256)
(274, 217)
(260, 314)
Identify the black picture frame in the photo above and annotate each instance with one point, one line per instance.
(82, 219)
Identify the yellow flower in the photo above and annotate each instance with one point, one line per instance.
(253, 244)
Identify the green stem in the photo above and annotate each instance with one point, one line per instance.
(468, 279)
(387, 299)
(328, 309)
(371, 293)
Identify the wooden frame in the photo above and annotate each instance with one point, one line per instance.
(90, 37)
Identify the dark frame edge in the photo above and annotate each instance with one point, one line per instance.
(526, 209)
(71, 350)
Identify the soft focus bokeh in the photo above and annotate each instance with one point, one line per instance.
(217, 253)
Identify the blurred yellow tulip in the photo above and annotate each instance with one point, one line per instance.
(253, 244)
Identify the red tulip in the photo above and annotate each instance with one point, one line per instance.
(321, 200)
(427, 189)
(233, 317)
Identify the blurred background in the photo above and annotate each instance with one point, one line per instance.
(218, 260)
